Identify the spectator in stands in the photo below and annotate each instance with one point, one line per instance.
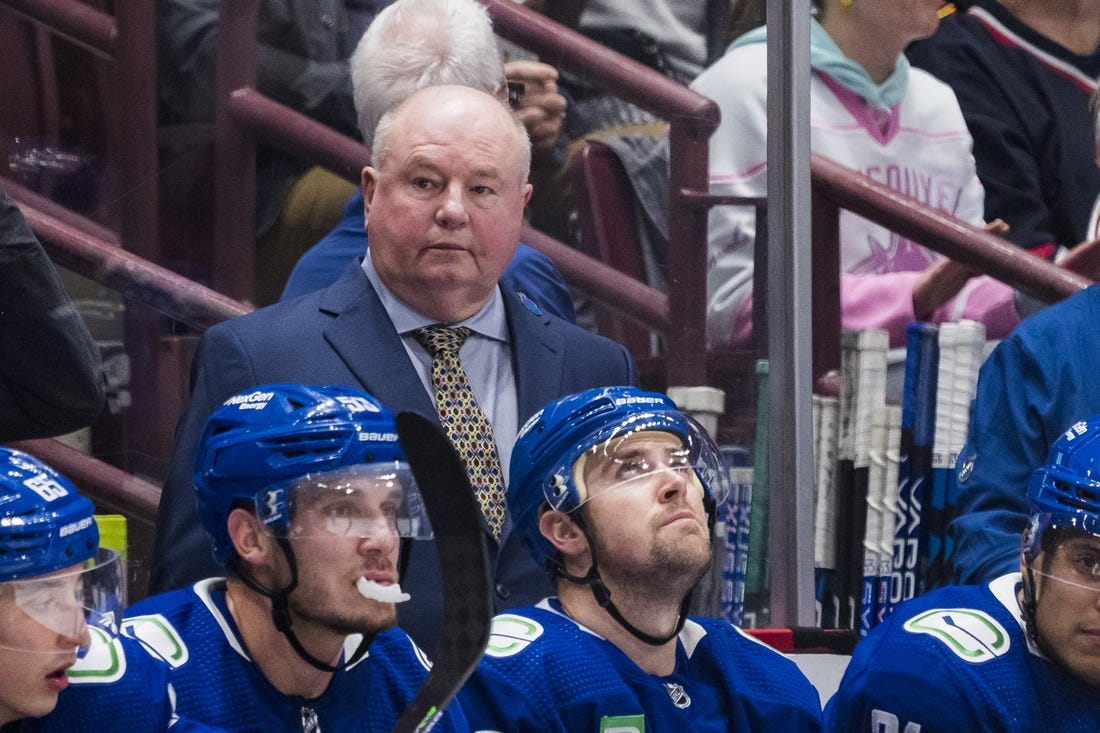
(1017, 653)
(307, 497)
(871, 112)
(410, 45)
(60, 606)
(302, 63)
(51, 375)
(445, 198)
(1023, 73)
(614, 492)
(1037, 381)
(677, 38)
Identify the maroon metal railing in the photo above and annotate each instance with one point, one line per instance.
(81, 23)
(942, 232)
(692, 118)
(85, 247)
(111, 489)
(123, 50)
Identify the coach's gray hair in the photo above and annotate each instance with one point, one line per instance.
(384, 129)
(413, 44)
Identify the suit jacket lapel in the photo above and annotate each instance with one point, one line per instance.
(361, 333)
(538, 354)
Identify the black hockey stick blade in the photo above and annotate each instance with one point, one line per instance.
(464, 561)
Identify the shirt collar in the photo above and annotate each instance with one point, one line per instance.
(491, 321)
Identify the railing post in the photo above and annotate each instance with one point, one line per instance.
(790, 284)
(825, 222)
(234, 153)
(686, 340)
(133, 209)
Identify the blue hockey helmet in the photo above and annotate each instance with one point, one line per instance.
(263, 447)
(50, 559)
(547, 467)
(1065, 492)
(45, 525)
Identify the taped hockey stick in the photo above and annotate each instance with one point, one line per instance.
(955, 405)
(826, 522)
(863, 387)
(918, 429)
(889, 513)
(872, 530)
(464, 562)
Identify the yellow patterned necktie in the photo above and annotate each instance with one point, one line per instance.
(465, 424)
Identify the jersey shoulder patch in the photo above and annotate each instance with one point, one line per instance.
(103, 663)
(511, 634)
(158, 634)
(971, 635)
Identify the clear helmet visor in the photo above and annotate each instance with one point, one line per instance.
(1071, 550)
(61, 609)
(647, 459)
(367, 501)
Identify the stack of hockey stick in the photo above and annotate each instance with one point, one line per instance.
(885, 474)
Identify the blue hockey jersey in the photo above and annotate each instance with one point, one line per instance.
(216, 682)
(958, 659)
(118, 686)
(544, 672)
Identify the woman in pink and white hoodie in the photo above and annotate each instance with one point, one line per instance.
(873, 113)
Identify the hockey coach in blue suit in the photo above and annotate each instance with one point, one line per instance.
(445, 198)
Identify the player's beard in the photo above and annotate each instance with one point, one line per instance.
(672, 561)
(362, 616)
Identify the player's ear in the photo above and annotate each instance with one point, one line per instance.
(250, 541)
(563, 533)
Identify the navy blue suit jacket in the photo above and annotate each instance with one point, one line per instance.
(343, 335)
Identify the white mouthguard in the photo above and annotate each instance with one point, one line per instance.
(382, 593)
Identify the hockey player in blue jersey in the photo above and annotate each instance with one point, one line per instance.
(614, 490)
(60, 609)
(1018, 653)
(49, 555)
(307, 496)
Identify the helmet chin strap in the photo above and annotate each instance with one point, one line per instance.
(1029, 606)
(602, 595)
(280, 610)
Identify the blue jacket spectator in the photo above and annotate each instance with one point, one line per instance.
(1037, 381)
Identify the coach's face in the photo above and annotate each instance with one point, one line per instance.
(445, 208)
